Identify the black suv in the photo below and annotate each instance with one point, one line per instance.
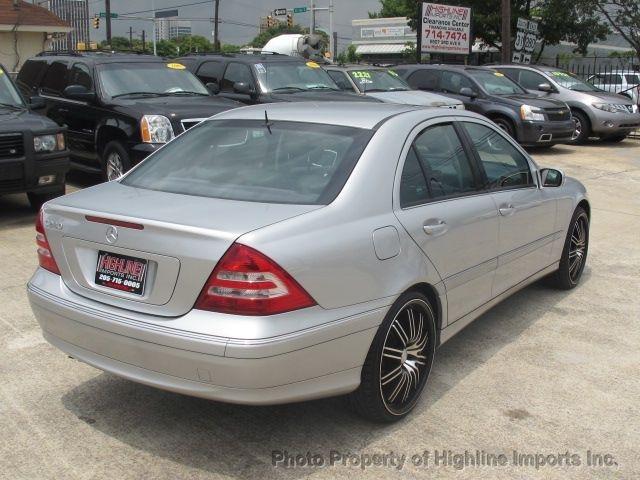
(531, 120)
(33, 155)
(267, 78)
(118, 108)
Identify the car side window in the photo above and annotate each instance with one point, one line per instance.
(81, 75)
(503, 164)
(235, 72)
(424, 79)
(341, 80)
(210, 71)
(29, 76)
(413, 184)
(55, 79)
(446, 166)
(530, 80)
(453, 82)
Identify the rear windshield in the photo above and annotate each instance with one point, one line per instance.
(248, 160)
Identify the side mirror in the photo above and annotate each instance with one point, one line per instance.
(213, 87)
(243, 88)
(551, 177)
(545, 87)
(37, 103)
(467, 92)
(79, 92)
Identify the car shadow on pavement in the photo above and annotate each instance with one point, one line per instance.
(16, 211)
(238, 440)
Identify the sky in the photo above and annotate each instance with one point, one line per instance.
(242, 11)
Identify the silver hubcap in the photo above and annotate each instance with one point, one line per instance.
(577, 248)
(577, 128)
(403, 364)
(114, 166)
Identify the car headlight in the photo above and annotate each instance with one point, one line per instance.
(156, 129)
(611, 107)
(48, 143)
(527, 112)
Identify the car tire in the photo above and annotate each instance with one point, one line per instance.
(36, 199)
(505, 125)
(576, 246)
(582, 126)
(115, 160)
(398, 362)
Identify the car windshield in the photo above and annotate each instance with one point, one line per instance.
(293, 76)
(572, 82)
(9, 95)
(495, 83)
(255, 161)
(378, 80)
(150, 78)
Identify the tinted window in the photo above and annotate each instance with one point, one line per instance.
(452, 82)
(246, 160)
(236, 72)
(30, 73)
(504, 165)
(8, 93)
(341, 80)
(511, 73)
(210, 71)
(81, 75)
(530, 80)
(444, 161)
(495, 83)
(632, 78)
(424, 79)
(293, 76)
(55, 79)
(413, 186)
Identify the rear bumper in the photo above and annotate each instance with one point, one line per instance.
(545, 133)
(317, 362)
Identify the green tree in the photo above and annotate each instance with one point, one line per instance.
(349, 55)
(623, 16)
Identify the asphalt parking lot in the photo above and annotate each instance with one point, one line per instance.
(545, 373)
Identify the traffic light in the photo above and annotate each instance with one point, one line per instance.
(269, 21)
(289, 20)
(96, 22)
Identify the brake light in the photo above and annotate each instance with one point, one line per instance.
(45, 257)
(246, 282)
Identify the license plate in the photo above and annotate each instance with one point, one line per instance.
(121, 272)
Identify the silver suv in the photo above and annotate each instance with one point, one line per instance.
(609, 116)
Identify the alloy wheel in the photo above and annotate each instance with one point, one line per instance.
(577, 248)
(577, 128)
(403, 364)
(115, 168)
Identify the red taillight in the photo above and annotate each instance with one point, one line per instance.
(246, 282)
(45, 257)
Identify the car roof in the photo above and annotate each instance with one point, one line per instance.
(352, 67)
(245, 57)
(542, 68)
(348, 114)
(99, 57)
(439, 66)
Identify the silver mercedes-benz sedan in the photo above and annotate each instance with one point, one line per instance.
(286, 252)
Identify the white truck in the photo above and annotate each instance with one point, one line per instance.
(295, 45)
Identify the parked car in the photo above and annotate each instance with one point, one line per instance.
(33, 153)
(624, 82)
(385, 85)
(267, 78)
(530, 120)
(118, 108)
(307, 250)
(595, 113)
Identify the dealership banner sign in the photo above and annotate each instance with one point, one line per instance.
(525, 42)
(445, 29)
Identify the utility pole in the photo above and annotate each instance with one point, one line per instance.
(131, 37)
(506, 31)
(332, 41)
(334, 51)
(312, 27)
(107, 10)
(144, 43)
(216, 40)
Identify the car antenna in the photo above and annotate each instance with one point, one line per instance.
(266, 121)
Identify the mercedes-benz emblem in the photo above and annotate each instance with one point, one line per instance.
(112, 234)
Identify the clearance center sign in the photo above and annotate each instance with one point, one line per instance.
(445, 29)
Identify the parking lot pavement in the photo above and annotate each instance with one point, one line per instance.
(545, 372)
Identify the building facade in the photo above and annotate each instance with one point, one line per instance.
(76, 13)
(170, 28)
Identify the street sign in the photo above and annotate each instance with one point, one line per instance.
(280, 11)
(525, 41)
(299, 9)
(104, 15)
(166, 14)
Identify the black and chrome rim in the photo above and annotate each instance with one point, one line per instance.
(577, 128)
(115, 169)
(577, 248)
(404, 362)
